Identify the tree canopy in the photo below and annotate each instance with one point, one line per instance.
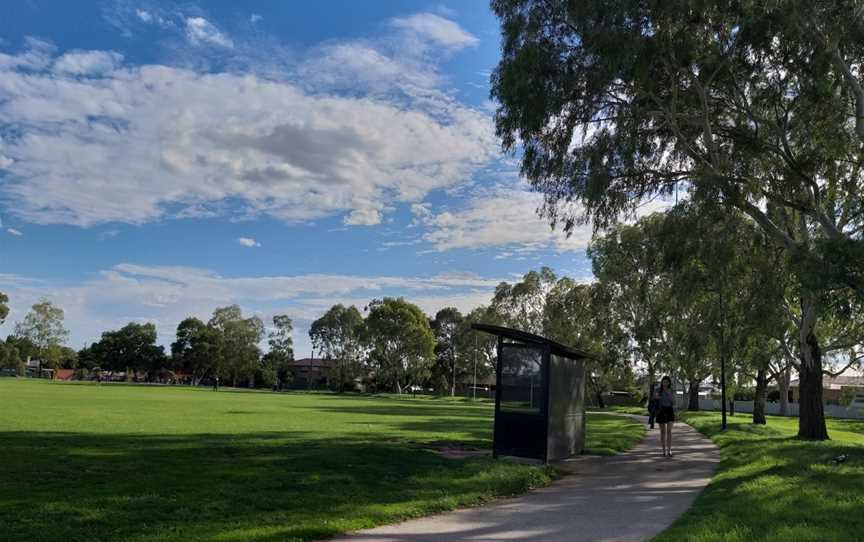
(754, 106)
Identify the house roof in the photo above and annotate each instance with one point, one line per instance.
(314, 362)
(835, 382)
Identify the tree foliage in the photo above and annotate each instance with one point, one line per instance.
(401, 342)
(196, 349)
(338, 336)
(129, 349)
(43, 328)
(755, 106)
(4, 307)
(238, 354)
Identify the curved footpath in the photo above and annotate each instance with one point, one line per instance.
(626, 497)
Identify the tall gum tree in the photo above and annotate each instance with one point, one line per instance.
(756, 105)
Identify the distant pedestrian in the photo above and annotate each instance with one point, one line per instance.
(665, 397)
(216, 384)
(653, 405)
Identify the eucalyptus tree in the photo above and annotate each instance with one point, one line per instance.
(238, 337)
(196, 349)
(521, 304)
(578, 314)
(43, 328)
(758, 106)
(4, 307)
(338, 335)
(130, 348)
(401, 342)
(477, 351)
(629, 267)
(446, 326)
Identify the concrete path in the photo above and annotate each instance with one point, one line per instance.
(628, 497)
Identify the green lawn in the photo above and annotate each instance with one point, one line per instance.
(773, 487)
(609, 434)
(136, 463)
(638, 410)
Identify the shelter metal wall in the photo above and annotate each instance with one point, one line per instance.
(566, 432)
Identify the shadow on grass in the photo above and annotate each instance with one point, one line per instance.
(261, 486)
(773, 486)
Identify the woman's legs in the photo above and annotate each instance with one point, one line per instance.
(668, 429)
(663, 437)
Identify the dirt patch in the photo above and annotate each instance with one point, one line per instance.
(455, 450)
(446, 448)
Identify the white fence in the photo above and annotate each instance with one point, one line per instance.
(831, 411)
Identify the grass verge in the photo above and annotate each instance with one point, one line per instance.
(771, 486)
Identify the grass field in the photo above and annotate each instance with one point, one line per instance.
(772, 487)
(80, 462)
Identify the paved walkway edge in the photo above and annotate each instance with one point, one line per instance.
(627, 497)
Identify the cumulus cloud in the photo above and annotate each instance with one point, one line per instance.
(200, 31)
(437, 29)
(13, 231)
(87, 62)
(157, 141)
(248, 242)
(505, 217)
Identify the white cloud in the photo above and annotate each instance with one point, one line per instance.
(506, 217)
(248, 242)
(363, 217)
(166, 295)
(200, 31)
(14, 232)
(36, 56)
(437, 29)
(138, 144)
(255, 18)
(87, 62)
(144, 15)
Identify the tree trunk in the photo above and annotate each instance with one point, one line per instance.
(783, 385)
(600, 402)
(811, 420)
(761, 397)
(693, 403)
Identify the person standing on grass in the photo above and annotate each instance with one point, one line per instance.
(665, 397)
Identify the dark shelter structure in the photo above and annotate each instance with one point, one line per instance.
(539, 397)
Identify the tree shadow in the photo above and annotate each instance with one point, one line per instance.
(258, 486)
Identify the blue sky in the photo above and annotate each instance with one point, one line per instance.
(160, 159)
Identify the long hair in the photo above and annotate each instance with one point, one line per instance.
(664, 379)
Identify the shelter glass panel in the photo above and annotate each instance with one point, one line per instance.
(522, 385)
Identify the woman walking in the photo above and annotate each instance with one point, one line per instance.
(666, 414)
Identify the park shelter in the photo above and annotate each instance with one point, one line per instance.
(539, 396)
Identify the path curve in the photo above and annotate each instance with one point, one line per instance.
(631, 496)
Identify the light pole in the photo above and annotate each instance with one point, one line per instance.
(474, 387)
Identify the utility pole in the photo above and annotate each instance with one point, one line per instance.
(453, 350)
(474, 387)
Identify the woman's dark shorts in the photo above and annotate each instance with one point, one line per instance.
(666, 414)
